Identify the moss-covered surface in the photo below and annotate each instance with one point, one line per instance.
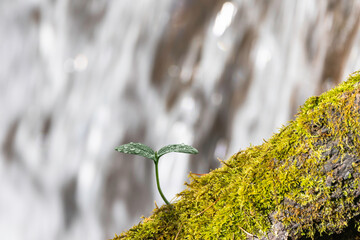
(302, 182)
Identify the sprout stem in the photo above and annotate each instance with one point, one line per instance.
(157, 180)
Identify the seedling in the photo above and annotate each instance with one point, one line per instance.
(145, 151)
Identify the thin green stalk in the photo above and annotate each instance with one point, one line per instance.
(157, 180)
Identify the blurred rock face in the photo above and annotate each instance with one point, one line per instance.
(80, 77)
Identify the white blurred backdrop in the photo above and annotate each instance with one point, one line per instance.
(78, 78)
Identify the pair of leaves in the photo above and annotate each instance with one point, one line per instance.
(145, 151)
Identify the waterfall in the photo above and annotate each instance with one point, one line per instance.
(79, 78)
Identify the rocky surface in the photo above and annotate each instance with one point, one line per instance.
(303, 183)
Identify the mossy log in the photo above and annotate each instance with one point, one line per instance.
(303, 183)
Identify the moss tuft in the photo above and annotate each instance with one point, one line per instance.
(302, 182)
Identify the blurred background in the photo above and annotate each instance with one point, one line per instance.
(78, 78)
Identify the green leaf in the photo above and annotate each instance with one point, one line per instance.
(137, 149)
(182, 148)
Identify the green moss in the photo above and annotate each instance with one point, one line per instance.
(303, 181)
